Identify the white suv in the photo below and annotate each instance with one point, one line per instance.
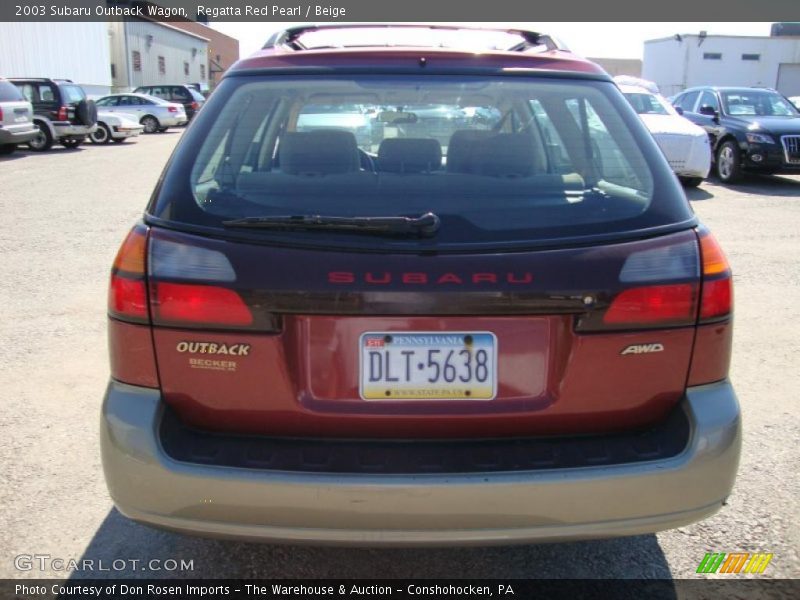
(16, 118)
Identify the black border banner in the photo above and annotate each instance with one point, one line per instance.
(421, 10)
(343, 589)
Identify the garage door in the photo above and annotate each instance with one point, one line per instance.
(789, 79)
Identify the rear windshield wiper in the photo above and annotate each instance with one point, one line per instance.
(427, 224)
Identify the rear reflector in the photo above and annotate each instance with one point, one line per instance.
(201, 304)
(717, 298)
(653, 305)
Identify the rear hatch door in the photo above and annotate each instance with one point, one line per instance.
(303, 342)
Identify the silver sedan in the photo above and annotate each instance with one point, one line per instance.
(153, 113)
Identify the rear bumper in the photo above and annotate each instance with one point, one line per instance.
(688, 155)
(118, 134)
(173, 121)
(8, 136)
(68, 130)
(414, 509)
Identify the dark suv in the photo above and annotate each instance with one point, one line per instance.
(522, 333)
(62, 112)
(751, 129)
(191, 99)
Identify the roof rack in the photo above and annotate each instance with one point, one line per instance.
(45, 79)
(289, 39)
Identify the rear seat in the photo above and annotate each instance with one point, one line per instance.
(409, 155)
(318, 153)
(312, 163)
(326, 164)
(462, 148)
(481, 152)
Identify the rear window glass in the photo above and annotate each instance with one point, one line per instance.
(647, 104)
(131, 101)
(497, 159)
(72, 94)
(686, 102)
(180, 94)
(9, 92)
(196, 95)
(35, 92)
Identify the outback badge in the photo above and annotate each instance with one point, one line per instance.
(212, 348)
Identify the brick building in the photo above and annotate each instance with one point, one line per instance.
(223, 50)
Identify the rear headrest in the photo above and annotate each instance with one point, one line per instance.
(321, 152)
(409, 155)
(508, 155)
(461, 149)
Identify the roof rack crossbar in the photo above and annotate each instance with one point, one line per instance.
(288, 39)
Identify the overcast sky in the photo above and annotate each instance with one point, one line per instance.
(600, 40)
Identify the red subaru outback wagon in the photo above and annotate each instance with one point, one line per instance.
(395, 294)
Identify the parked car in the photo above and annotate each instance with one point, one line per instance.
(16, 118)
(153, 113)
(114, 128)
(751, 130)
(525, 336)
(191, 99)
(61, 112)
(685, 145)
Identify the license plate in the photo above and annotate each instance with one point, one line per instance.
(22, 119)
(428, 365)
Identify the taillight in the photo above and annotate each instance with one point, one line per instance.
(653, 305)
(127, 295)
(190, 287)
(62, 113)
(1, 113)
(660, 288)
(195, 105)
(712, 346)
(172, 109)
(130, 343)
(196, 287)
(716, 300)
(209, 305)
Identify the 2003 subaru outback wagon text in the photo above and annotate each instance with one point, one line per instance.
(494, 318)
